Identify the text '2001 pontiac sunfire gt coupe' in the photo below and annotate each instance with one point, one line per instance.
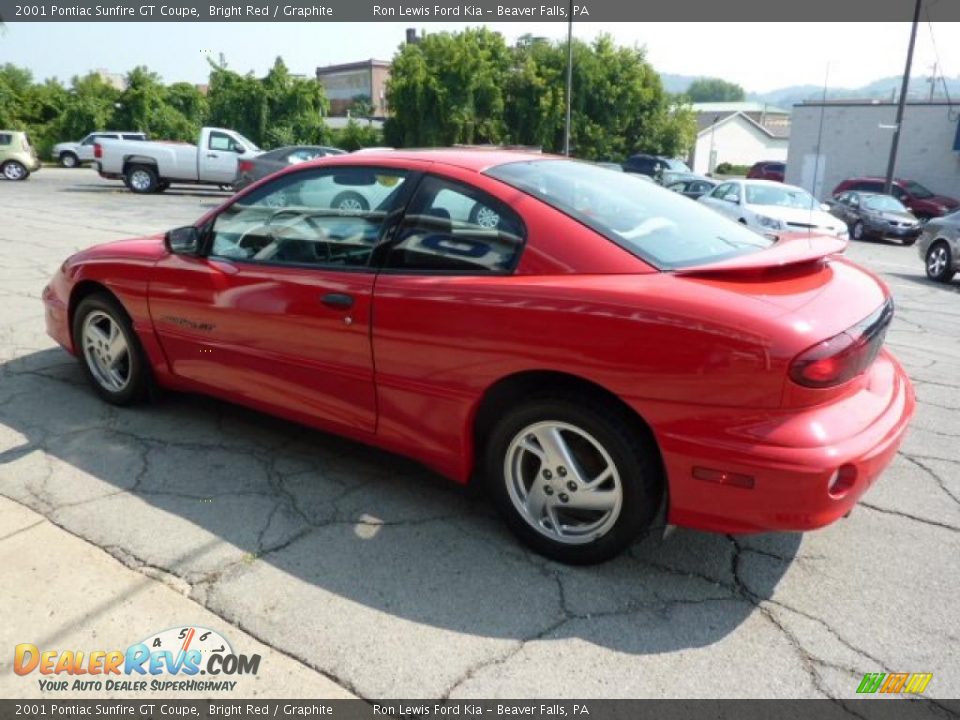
(599, 351)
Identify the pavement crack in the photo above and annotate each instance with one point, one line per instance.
(908, 516)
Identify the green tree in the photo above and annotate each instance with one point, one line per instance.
(356, 135)
(714, 90)
(449, 89)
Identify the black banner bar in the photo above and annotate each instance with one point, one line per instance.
(473, 11)
(891, 708)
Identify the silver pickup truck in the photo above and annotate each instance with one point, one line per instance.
(148, 167)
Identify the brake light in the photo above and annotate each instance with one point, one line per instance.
(246, 166)
(97, 150)
(844, 356)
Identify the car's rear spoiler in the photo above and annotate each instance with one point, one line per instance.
(792, 249)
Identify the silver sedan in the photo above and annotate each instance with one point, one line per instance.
(939, 246)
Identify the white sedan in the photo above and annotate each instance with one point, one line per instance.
(771, 207)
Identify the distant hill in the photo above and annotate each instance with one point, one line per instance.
(887, 88)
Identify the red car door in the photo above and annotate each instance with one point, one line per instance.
(277, 311)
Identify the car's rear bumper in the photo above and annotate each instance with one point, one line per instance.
(770, 470)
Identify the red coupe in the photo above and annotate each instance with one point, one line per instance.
(600, 351)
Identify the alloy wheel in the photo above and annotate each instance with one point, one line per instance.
(14, 171)
(140, 180)
(937, 261)
(563, 482)
(106, 351)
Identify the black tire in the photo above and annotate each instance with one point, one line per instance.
(349, 200)
(857, 231)
(945, 273)
(14, 171)
(141, 179)
(69, 160)
(909, 241)
(635, 457)
(137, 368)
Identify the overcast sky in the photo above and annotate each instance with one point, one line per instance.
(758, 56)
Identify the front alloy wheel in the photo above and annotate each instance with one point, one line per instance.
(109, 350)
(940, 263)
(576, 479)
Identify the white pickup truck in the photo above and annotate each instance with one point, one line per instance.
(148, 167)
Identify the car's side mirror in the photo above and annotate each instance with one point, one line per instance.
(825, 206)
(731, 198)
(239, 149)
(183, 240)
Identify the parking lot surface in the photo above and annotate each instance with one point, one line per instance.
(373, 572)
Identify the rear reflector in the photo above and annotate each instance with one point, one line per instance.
(245, 166)
(97, 150)
(722, 477)
(841, 481)
(844, 356)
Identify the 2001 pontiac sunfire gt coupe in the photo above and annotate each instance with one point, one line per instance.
(594, 347)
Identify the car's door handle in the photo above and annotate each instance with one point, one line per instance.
(340, 301)
(213, 155)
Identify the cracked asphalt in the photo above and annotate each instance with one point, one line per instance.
(371, 571)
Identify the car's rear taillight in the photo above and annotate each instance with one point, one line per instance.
(245, 166)
(844, 356)
(97, 150)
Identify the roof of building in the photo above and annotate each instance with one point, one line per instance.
(706, 122)
(343, 67)
(857, 102)
(733, 107)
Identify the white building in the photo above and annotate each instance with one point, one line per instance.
(832, 141)
(739, 133)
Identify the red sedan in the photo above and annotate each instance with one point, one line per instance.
(603, 353)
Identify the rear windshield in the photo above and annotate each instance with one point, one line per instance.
(662, 227)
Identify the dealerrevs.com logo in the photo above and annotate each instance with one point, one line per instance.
(172, 660)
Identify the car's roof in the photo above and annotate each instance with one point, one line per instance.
(871, 178)
(476, 159)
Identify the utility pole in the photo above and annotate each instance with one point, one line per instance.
(566, 130)
(933, 81)
(898, 126)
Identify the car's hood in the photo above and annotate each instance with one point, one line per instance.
(145, 249)
(798, 217)
(894, 216)
(947, 202)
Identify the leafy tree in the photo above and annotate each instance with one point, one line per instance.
(714, 90)
(356, 135)
(448, 89)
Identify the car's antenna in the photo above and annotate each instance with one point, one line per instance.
(816, 160)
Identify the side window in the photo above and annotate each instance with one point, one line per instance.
(899, 193)
(452, 228)
(90, 139)
(330, 217)
(135, 136)
(6, 138)
(721, 190)
(221, 141)
(853, 200)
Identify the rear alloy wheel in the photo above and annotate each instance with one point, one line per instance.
(576, 484)
(13, 170)
(141, 179)
(857, 231)
(69, 160)
(940, 262)
(109, 350)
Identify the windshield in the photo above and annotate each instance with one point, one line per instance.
(677, 165)
(658, 225)
(250, 144)
(780, 196)
(884, 203)
(917, 190)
